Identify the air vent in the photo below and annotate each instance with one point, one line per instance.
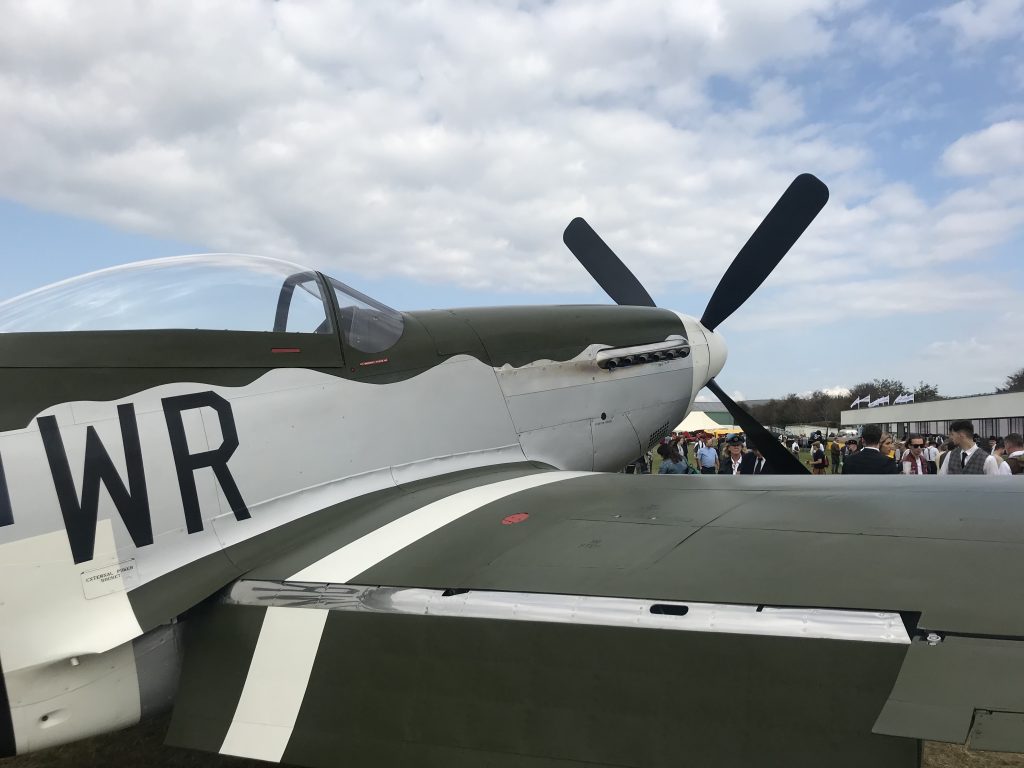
(657, 434)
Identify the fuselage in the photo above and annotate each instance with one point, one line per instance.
(137, 460)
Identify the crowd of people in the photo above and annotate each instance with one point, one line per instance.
(702, 454)
(874, 452)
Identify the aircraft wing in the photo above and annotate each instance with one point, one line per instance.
(533, 617)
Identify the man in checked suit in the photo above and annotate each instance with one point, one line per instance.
(869, 460)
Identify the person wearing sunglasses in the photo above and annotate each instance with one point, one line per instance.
(914, 461)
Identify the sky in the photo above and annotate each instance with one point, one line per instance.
(431, 153)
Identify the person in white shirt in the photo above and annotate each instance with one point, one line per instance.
(967, 458)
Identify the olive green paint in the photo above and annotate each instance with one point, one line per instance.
(834, 554)
(167, 349)
(573, 529)
(166, 597)
(300, 542)
(997, 731)
(448, 692)
(41, 370)
(422, 690)
(219, 646)
(940, 686)
(689, 539)
(517, 336)
(45, 369)
(452, 334)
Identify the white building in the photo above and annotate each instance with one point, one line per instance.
(807, 429)
(996, 415)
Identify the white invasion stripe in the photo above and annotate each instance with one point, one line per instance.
(344, 564)
(288, 642)
(277, 679)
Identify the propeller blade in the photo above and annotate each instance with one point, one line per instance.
(604, 266)
(781, 461)
(783, 225)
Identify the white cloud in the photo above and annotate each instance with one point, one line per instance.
(981, 21)
(996, 149)
(836, 391)
(889, 39)
(951, 350)
(442, 142)
(902, 295)
(452, 142)
(989, 357)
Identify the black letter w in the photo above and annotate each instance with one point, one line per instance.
(80, 518)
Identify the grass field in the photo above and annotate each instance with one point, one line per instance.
(142, 746)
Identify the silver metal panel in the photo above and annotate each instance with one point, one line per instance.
(865, 626)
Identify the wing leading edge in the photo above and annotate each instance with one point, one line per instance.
(523, 622)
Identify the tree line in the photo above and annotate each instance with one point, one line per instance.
(823, 408)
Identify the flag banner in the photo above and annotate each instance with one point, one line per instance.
(884, 400)
(856, 403)
(907, 398)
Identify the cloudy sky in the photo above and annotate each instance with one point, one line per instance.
(431, 154)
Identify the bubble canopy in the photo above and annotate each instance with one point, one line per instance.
(214, 292)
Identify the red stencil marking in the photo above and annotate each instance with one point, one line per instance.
(516, 518)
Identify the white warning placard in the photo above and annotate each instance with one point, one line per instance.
(112, 578)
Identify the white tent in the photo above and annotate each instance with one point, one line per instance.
(696, 421)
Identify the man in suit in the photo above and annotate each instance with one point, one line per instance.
(869, 460)
(967, 458)
(759, 465)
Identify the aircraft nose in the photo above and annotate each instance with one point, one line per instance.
(717, 352)
(708, 349)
